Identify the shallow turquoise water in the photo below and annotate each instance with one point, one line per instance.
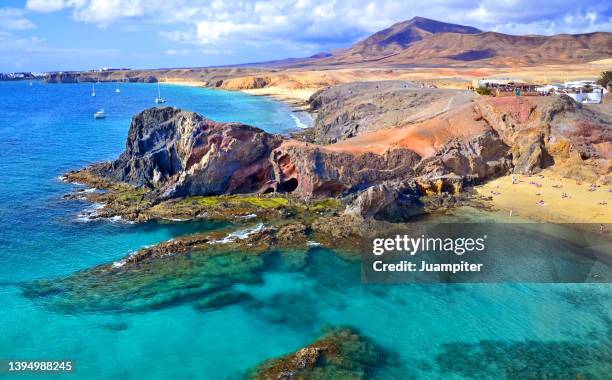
(430, 331)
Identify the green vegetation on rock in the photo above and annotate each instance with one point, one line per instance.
(483, 91)
(605, 78)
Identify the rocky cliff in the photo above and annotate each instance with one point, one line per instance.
(178, 153)
(546, 131)
(182, 153)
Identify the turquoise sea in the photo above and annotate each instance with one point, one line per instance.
(482, 331)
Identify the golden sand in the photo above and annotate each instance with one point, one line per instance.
(564, 200)
(184, 82)
(298, 95)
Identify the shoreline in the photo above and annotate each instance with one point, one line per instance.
(297, 98)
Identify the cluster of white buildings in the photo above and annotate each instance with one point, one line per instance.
(583, 91)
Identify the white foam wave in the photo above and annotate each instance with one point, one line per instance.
(240, 234)
(176, 219)
(90, 213)
(298, 122)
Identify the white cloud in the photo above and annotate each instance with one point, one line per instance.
(13, 19)
(177, 52)
(315, 25)
(45, 5)
(103, 12)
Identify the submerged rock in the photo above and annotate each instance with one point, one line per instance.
(339, 354)
(192, 268)
(220, 300)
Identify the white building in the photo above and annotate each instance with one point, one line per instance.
(585, 91)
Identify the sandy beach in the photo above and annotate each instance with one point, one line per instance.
(564, 200)
(297, 97)
(185, 82)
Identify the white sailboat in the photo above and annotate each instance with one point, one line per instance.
(93, 90)
(159, 99)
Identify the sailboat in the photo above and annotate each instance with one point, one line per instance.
(159, 99)
(93, 90)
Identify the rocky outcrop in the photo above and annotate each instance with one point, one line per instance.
(461, 162)
(181, 153)
(387, 201)
(340, 354)
(546, 131)
(177, 153)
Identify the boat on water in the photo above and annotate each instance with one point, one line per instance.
(159, 99)
(117, 90)
(100, 114)
(93, 90)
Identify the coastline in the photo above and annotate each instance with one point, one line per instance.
(519, 200)
(297, 99)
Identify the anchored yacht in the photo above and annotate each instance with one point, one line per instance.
(159, 99)
(100, 114)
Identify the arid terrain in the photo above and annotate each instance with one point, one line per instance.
(393, 108)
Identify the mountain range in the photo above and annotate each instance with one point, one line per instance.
(421, 41)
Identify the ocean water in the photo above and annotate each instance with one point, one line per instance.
(484, 331)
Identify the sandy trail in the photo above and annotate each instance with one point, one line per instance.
(578, 206)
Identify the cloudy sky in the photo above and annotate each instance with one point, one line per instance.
(39, 35)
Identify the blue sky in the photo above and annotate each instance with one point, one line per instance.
(41, 35)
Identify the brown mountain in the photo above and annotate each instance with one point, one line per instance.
(422, 41)
(402, 35)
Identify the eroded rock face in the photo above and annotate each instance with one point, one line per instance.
(543, 131)
(387, 201)
(312, 171)
(178, 153)
(182, 153)
(485, 156)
